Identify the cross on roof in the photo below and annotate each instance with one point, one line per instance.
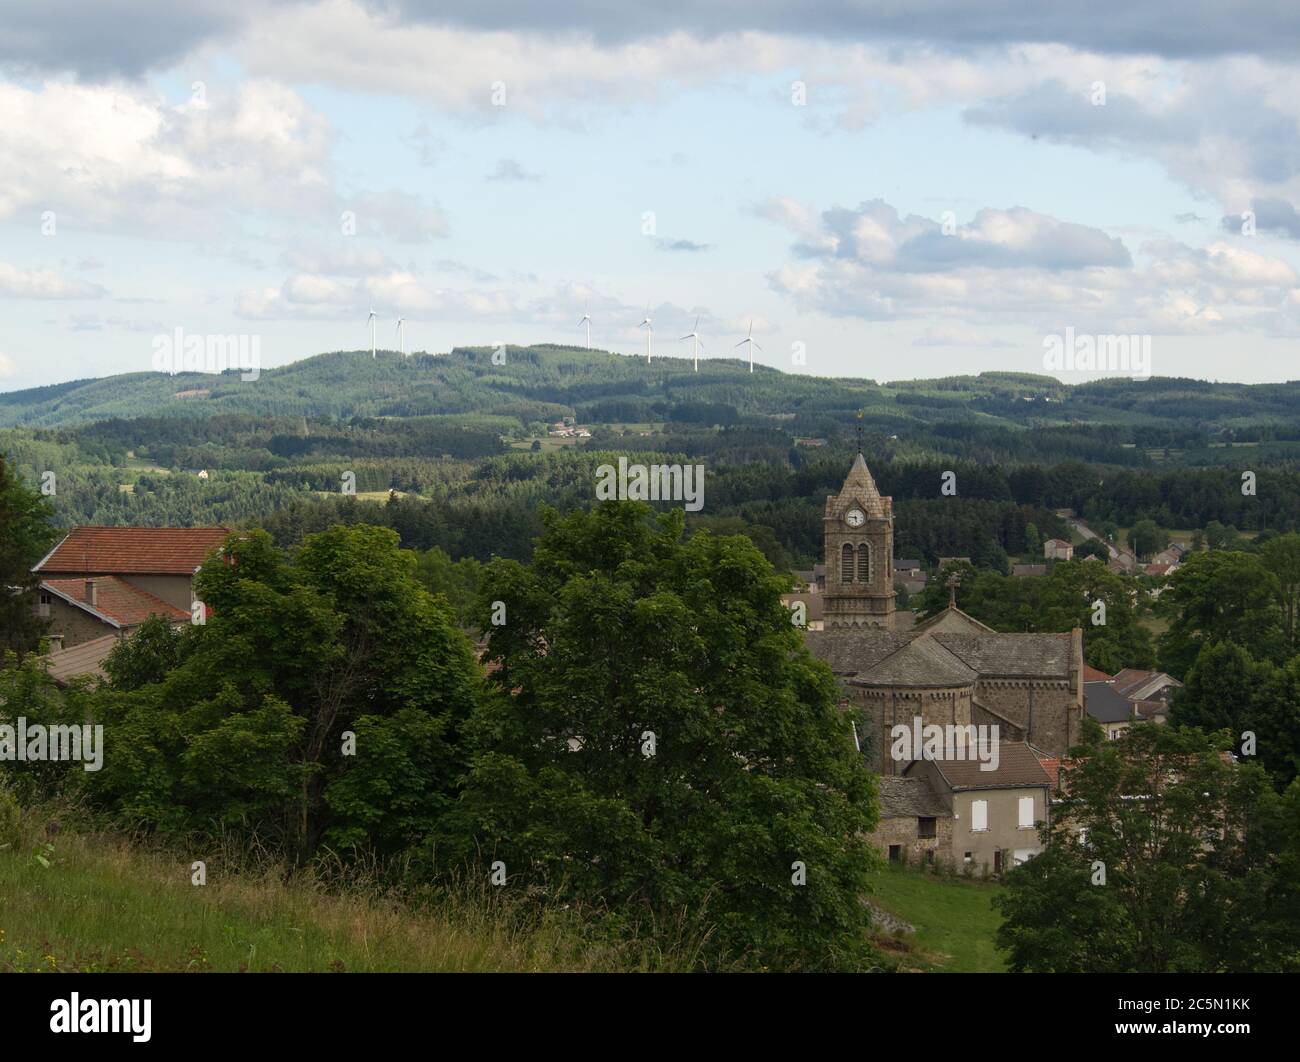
(953, 579)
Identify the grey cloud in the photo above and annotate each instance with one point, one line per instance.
(688, 246)
(875, 234)
(1272, 216)
(509, 170)
(101, 39)
(1162, 27)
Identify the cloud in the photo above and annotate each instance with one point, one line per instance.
(687, 246)
(7, 366)
(875, 234)
(127, 38)
(510, 170)
(348, 258)
(1018, 267)
(116, 157)
(16, 283)
(1272, 216)
(400, 216)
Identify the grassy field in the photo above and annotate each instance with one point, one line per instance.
(103, 904)
(95, 902)
(954, 919)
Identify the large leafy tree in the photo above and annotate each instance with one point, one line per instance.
(25, 535)
(1229, 689)
(242, 722)
(662, 742)
(1220, 596)
(1163, 856)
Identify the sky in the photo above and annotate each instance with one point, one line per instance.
(889, 190)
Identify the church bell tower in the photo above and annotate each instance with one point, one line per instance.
(858, 530)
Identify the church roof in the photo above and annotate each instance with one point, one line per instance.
(861, 488)
(922, 662)
(850, 651)
(953, 620)
(858, 652)
(1012, 655)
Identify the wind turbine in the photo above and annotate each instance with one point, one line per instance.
(645, 322)
(694, 334)
(371, 321)
(586, 316)
(750, 340)
(401, 336)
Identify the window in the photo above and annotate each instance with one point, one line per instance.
(895, 852)
(925, 827)
(979, 815)
(969, 857)
(846, 564)
(1026, 812)
(929, 857)
(44, 609)
(864, 563)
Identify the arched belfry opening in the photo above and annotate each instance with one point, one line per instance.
(858, 530)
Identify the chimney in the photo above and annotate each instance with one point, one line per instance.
(56, 642)
(92, 593)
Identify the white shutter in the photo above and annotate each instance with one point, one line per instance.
(1027, 811)
(979, 815)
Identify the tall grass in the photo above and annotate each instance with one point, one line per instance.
(75, 898)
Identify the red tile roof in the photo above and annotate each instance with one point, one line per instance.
(115, 599)
(132, 550)
(1092, 674)
(84, 659)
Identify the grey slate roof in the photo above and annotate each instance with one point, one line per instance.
(858, 651)
(1018, 766)
(922, 662)
(850, 652)
(905, 798)
(1105, 703)
(1012, 655)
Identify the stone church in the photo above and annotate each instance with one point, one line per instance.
(949, 669)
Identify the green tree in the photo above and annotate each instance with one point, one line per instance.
(1147, 538)
(26, 534)
(1281, 557)
(1219, 596)
(663, 743)
(248, 730)
(1161, 857)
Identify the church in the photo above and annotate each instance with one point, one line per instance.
(949, 669)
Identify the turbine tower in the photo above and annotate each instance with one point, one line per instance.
(371, 321)
(752, 345)
(645, 323)
(401, 336)
(694, 334)
(586, 317)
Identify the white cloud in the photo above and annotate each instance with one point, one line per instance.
(120, 157)
(1018, 267)
(19, 283)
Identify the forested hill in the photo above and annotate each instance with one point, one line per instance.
(545, 383)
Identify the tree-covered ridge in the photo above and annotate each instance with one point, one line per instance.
(544, 382)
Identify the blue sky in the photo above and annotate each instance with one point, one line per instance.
(217, 210)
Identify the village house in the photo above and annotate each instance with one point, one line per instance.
(98, 584)
(1057, 549)
(953, 812)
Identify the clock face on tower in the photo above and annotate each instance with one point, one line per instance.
(855, 518)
